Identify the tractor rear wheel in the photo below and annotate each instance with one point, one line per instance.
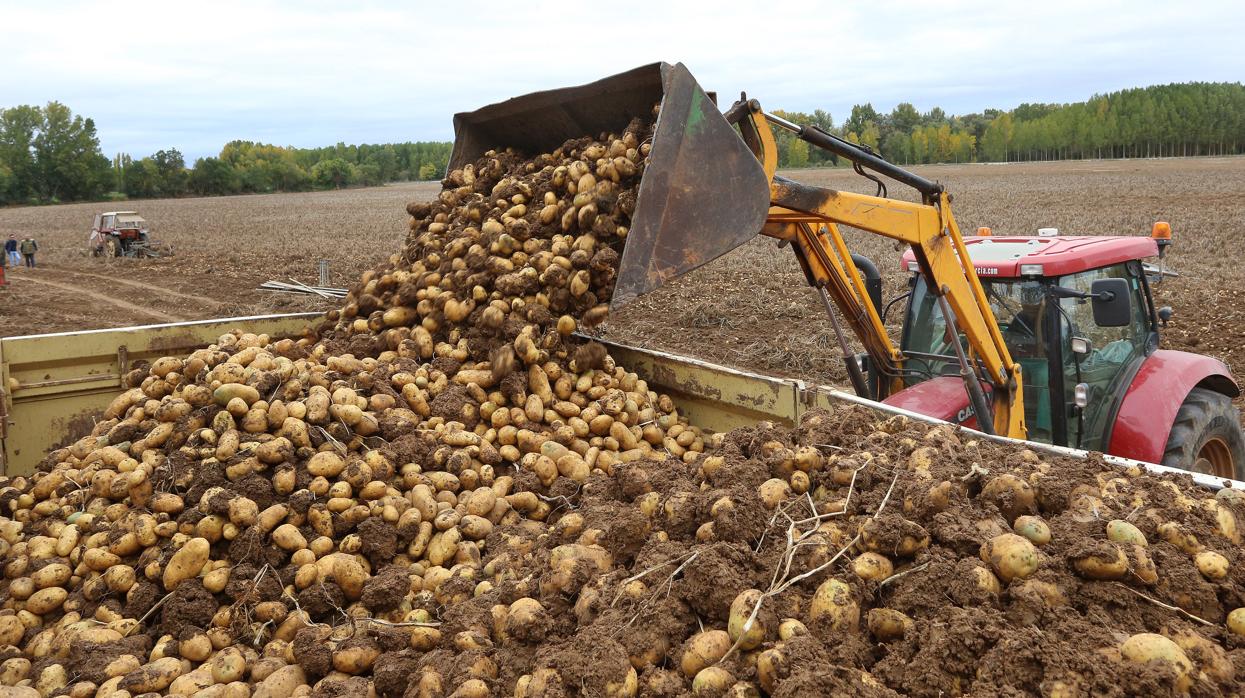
(1206, 436)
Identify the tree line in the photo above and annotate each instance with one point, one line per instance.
(49, 155)
(1185, 119)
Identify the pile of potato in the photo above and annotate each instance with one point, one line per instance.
(442, 491)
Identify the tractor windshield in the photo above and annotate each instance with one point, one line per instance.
(1019, 307)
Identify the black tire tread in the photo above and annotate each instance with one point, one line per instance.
(1204, 412)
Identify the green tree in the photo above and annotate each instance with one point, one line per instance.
(214, 177)
(427, 171)
(334, 172)
(69, 163)
(171, 167)
(141, 180)
(18, 127)
(797, 154)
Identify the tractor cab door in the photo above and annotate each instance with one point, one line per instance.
(107, 224)
(95, 224)
(1101, 360)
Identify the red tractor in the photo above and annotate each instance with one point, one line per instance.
(122, 234)
(1094, 375)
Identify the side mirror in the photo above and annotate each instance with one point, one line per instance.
(1112, 302)
(1165, 314)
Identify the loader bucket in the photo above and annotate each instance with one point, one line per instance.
(703, 193)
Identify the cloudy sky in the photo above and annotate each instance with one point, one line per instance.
(193, 76)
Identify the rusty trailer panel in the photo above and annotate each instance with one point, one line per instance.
(54, 386)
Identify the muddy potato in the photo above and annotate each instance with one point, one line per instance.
(712, 682)
(702, 650)
(1012, 495)
(1101, 560)
(872, 566)
(1011, 556)
(772, 666)
(743, 629)
(1212, 565)
(1148, 647)
(886, 624)
(834, 604)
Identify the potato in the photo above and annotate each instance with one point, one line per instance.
(1032, 528)
(1013, 496)
(702, 650)
(749, 635)
(356, 657)
(1120, 531)
(1236, 621)
(228, 666)
(1011, 556)
(187, 562)
(1148, 647)
(289, 538)
(886, 624)
(772, 666)
(281, 683)
(1175, 534)
(791, 627)
(1205, 655)
(872, 566)
(1212, 565)
(834, 604)
(712, 682)
(46, 600)
(153, 676)
(1101, 560)
(11, 630)
(1142, 567)
(773, 492)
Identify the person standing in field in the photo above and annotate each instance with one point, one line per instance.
(29, 247)
(10, 251)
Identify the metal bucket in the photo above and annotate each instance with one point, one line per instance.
(703, 194)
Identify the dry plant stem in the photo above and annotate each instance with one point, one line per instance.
(647, 572)
(1177, 609)
(149, 612)
(897, 575)
(775, 590)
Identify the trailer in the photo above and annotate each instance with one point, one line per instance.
(56, 385)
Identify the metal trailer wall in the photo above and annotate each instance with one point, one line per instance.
(56, 385)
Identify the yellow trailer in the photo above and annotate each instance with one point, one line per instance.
(56, 385)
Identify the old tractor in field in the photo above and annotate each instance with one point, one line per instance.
(123, 234)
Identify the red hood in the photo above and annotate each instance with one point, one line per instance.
(942, 398)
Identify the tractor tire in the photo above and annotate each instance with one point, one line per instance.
(114, 247)
(1206, 436)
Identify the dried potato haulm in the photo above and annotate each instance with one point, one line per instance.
(443, 493)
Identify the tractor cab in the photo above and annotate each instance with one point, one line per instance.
(1075, 312)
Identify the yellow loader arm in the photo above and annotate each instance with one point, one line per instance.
(808, 217)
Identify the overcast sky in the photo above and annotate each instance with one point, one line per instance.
(194, 76)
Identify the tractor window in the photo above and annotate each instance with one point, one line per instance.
(107, 222)
(1111, 351)
(1019, 306)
